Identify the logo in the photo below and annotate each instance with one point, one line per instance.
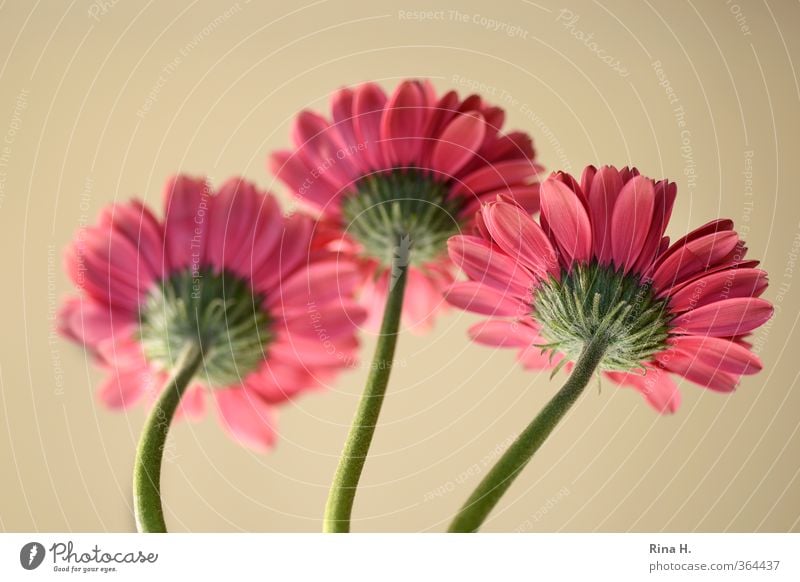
(31, 555)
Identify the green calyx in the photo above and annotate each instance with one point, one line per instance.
(403, 209)
(597, 301)
(216, 311)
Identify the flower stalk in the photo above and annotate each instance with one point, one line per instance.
(491, 489)
(345, 481)
(150, 452)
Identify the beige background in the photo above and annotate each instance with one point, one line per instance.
(94, 107)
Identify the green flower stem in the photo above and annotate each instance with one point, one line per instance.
(147, 469)
(345, 481)
(499, 479)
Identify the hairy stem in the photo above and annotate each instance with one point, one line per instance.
(489, 492)
(345, 481)
(147, 469)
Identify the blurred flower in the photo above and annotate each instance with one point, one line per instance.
(404, 171)
(226, 271)
(598, 265)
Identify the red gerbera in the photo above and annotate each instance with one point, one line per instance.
(405, 172)
(225, 272)
(599, 266)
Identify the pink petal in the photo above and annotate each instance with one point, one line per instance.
(423, 300)
(487, 264)
(265, 237)
(727, 318)
(520, 237)
(332, 320)
(240, 250)
(711, 227)
(699, 372)
(665, 193)
(342, 111)
(504, 333)
(278, 382)
(631, 220)
(603, 192)
(724, 354)
(136, 223)
(567, 218)
(93, 270)
(479, 298)
(320, 283)
(310, 354)
(511, 146)
(323, 150)
(587, 177)
(532, 357)
(655, 385)
(291, 169)
(292, 251)
(527, 197)
(88, 322)
(229, 222)
(404, 118)
(444, 110)
(368, 103)
(123, 388)
(247, 418)
(121, 352)
(497, 176)
(193, 405)
(694, 257)
(726, 284)
(458, 143)
(186, 203)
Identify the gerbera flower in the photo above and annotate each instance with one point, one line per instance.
(392, 178)
(596, 283)
(226, 269)
(224, 296)
(407, 170)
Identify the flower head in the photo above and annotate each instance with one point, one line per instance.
(226, 271)
(598, 265)
(408, 170)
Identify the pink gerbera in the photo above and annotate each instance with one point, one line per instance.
(598, 267)
(405, 172)
(225, 272)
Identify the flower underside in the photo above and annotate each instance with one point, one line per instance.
(600, 302)
(403, 209)
(217, 311)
